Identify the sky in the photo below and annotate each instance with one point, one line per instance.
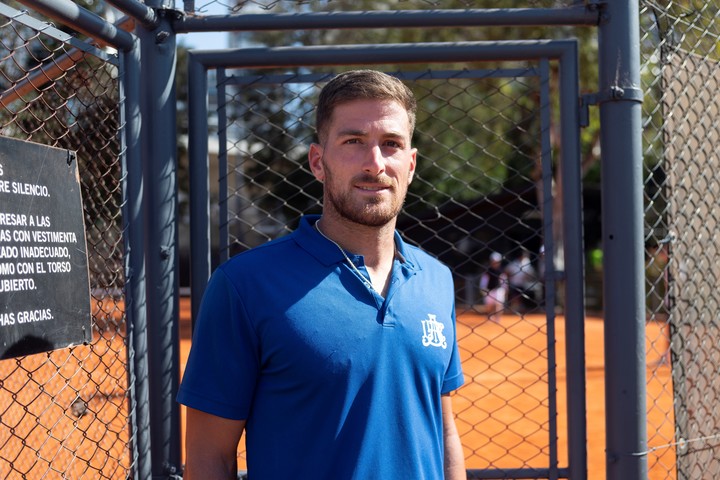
(206, 40)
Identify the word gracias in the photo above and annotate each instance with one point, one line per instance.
(26, 316)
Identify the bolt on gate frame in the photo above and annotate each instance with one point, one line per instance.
(147, 58)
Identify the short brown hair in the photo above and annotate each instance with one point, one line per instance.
(362, 85)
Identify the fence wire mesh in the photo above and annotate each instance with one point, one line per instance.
(476, 191)
(64, 414)
(680, 72)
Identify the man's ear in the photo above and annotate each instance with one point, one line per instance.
(315, 155)
(413, 163)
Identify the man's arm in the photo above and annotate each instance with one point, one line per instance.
(211, 446)
(454, 456)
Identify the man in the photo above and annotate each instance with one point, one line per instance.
(334, 347)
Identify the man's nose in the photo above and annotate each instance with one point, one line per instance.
(374, 161)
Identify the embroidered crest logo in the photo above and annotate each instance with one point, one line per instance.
(432, 332)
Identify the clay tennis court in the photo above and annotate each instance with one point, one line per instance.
(502, 408)
(61, 424)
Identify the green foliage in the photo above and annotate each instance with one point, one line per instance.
(691, 25)
(475, 136)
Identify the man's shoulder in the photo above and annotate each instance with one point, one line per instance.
(265, 254)
(423, 259)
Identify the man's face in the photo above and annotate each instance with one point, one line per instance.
(365, 161)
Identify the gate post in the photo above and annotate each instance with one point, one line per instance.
(622, 225)
(159, 149)
(134, 211)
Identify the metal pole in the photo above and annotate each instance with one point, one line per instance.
(574, 267)
(199, 182)
(549, 245)
(622, 223)
(135, 285)
(137, 10)
(83, 21)
(575, 15)
(159, 143)
(380, 54)
(223, 240)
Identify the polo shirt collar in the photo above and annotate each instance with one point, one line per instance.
(327, 253)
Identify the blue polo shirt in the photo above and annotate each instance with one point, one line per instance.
(335, 381)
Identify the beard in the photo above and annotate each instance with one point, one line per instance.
(369, 212)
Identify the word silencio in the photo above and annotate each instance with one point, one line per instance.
(44, 281)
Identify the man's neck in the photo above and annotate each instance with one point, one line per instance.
(375, 244)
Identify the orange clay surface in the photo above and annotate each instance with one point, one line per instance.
(65, 413)
(502, 408)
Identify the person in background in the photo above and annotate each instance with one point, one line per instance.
(522, 283)
(333, 348)
(494, 285)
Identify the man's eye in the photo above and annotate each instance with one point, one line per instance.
(393, 144)
(352, 140)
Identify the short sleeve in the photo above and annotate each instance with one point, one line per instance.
(222, 367)
(453, 375)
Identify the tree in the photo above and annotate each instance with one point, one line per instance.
(477, 138)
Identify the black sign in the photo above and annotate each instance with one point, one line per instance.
(44, 286)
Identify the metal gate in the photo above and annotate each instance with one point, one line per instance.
(252, 177)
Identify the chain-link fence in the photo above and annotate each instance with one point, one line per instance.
(65, 414)
(680, 77)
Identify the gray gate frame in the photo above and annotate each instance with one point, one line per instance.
(148, 60)
(563, 51)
